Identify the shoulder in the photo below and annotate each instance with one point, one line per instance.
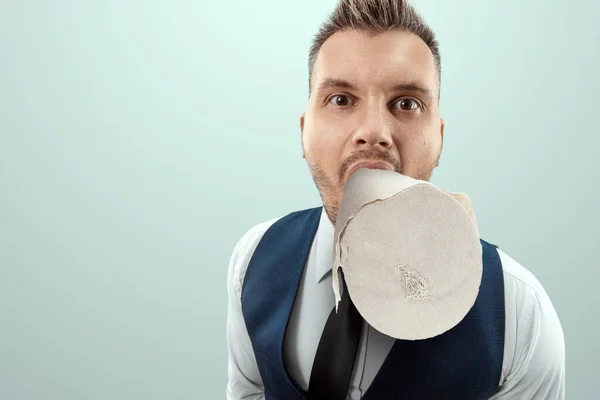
(254, 234)
(534, 340)
(247, 244)
(523, 291)
(518, 275)
(242, 252)
(525, 296)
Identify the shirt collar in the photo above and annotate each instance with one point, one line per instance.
(325, 236)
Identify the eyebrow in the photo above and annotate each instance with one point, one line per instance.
(333, 83)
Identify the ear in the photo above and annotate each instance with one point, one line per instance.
(302, 134)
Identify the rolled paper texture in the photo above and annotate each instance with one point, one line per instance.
(410, 253)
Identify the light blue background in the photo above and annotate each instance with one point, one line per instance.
(139, 140)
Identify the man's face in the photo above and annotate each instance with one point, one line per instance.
(374, 99)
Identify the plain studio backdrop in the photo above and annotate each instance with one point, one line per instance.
(140, 140)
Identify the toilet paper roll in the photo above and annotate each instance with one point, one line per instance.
(410, 253)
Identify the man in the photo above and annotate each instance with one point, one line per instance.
(374, 85)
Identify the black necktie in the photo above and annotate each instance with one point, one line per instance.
(334, 361)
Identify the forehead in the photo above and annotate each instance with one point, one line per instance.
(381, 59)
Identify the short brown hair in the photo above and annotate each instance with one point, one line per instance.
(374, 17)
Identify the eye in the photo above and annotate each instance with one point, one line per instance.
(407, 104)
(340, 100)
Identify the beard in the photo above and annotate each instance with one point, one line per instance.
(331, 189)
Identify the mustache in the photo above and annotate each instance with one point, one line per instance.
(371, 155)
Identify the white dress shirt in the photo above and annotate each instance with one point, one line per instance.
(534, 349)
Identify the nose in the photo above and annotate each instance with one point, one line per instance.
(375, 129)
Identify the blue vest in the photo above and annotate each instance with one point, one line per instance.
(464, 363)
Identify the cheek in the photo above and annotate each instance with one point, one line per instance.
(323, 143)
(420, 147)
